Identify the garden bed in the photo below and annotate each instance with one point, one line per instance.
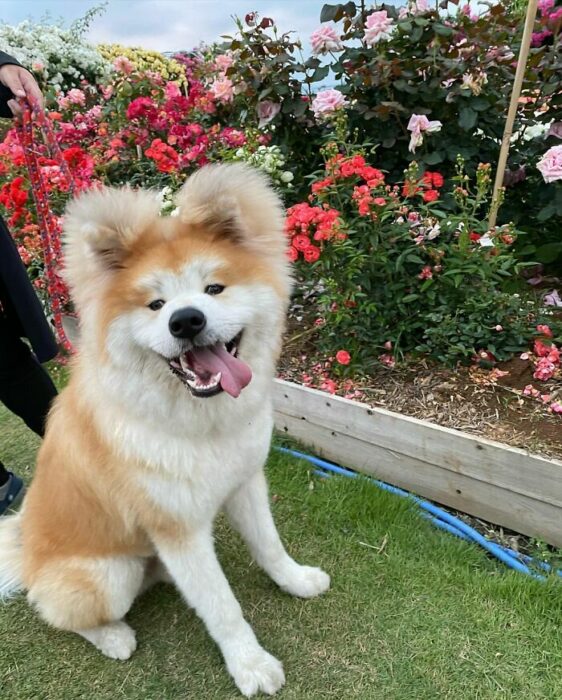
(501, 484)
(479, 401)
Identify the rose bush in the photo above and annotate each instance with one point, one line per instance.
(393, 271)
(454, 68)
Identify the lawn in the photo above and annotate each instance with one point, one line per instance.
(413, 614)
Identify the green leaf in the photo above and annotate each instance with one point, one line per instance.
(549, 252)
(410, 297)
(467, 118)
(442, 30)
(320, 73)
(547, 212)
(480, 104)
(416, 35)
(434, 158)
(331, 13)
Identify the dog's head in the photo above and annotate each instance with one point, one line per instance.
(203, 293)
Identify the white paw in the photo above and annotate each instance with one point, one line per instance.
(306, 582)
(255, 670)
(117, 641)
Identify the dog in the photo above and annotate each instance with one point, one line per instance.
(166, 419)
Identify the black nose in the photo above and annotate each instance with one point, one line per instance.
(187, 323)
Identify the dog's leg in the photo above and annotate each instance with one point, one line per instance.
(116, 639)
(248, 510)
(90, 596)
(198, 574)
(155, 573)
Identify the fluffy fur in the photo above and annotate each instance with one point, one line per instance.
(134, 467)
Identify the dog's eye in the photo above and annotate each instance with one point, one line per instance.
(156, 304)
(214, 289)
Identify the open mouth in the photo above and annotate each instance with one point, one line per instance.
(206, 370)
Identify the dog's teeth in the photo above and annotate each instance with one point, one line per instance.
(184, 365)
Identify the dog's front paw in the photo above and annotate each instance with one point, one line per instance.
(255, 670)
(306, 582)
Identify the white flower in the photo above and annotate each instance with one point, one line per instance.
(486, 242)
(287, 176)
(417, 125)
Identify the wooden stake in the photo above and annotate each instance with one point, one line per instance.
(515, 94)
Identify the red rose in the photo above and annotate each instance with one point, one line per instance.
(343, 357)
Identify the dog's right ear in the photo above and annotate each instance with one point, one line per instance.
(100, 226)
(99, 229)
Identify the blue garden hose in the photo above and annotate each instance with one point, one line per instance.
(440, 518)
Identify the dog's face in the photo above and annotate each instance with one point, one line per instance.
(203, 294)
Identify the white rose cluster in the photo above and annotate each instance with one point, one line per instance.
(165, 198)
(59, 57)
(269, 159)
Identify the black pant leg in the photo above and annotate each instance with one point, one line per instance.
(25, 387)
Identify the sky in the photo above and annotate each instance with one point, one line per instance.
(166, 25)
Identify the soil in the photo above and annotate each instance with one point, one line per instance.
(472, 399)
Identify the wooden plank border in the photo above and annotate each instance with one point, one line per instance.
(502, 484)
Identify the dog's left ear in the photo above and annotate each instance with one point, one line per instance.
(236, 202)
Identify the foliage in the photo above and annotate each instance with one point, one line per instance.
(397, 272)
(391, 63)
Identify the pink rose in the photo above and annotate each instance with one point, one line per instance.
(555, 130)
(387, 360)
(417, 125)
(106, 91)
(94, 113)
(545, 5)
(267, 111)
(544, 330)
(123, 65)
(62, 101)
(377, 27)
(552, 299)
(223, 62)
(544, 369)
(76, 97)
(327, 102)
(426, 273)
(222, 90)
(550, 165)
(172, 90)
(325, 39)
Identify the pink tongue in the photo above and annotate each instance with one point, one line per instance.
(235, 374)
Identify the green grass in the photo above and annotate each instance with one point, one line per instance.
(425, 617)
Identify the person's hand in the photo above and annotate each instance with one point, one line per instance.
(23, 85)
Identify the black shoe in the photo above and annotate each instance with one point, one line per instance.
(14, 495)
